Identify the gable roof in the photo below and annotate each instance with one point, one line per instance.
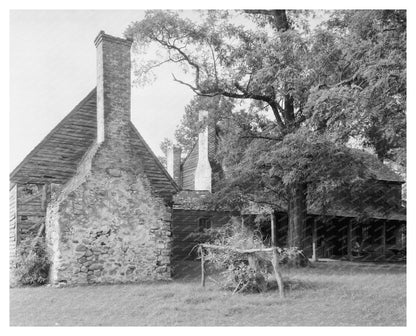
(163, 184)
(55, 159)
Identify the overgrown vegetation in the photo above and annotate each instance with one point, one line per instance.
(31, 264)
(234, 255)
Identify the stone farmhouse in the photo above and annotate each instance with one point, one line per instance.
(109, 210)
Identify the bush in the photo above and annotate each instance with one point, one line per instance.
(243, 272)
(32, 264)
(236, 273)
(293, 257)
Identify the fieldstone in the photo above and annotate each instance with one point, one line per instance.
(161, 269)
(88, 253)
(94, 267)
(164, 260)
(80, 248)
(114, 172)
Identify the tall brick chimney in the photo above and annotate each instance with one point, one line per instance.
(203, 172)
(113, 85)
(173, 161)
(106, 224)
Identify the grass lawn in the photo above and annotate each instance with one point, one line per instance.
(332, 293)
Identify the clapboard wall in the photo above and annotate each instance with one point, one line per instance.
(31, 202)
(12, 222)
(185, 227)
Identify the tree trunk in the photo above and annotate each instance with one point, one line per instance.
(297, 214)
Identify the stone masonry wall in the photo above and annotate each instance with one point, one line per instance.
(109, 228)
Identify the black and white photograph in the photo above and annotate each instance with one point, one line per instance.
(208, 167)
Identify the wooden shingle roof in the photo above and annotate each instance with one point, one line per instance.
(55, 159)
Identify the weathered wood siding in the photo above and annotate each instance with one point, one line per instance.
(13, 221)
(185, 226)
(31, 210)
(188, 169)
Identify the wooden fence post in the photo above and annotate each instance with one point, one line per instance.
(202, 266)
(383, 240)
(349, 240)
(314, 240)
(273, 228)
(278, 276)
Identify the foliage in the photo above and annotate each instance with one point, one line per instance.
(263, 170)
(346, 78)
(165, 144)
(32, 263)
(237, 272)
(219, 108)
(361, 86)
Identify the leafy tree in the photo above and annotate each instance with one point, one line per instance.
(361, 85)
(219, 108)
(311, 82)
(164, 146)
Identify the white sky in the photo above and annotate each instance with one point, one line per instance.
(53, 66)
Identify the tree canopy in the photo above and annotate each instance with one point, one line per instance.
(344, 79)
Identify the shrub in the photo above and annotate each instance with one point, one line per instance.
(245, 272)
(293, 257)
(31, 264)
(236, 273)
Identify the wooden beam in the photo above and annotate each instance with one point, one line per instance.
(44, 197)
(202, 267)
(314, 240)
(383, 239)
(273, 228)
(277, 274)
(349, 240)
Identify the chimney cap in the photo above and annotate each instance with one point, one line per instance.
(103, 36)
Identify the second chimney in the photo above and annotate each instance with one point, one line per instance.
(203, 170)
(173, 161)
